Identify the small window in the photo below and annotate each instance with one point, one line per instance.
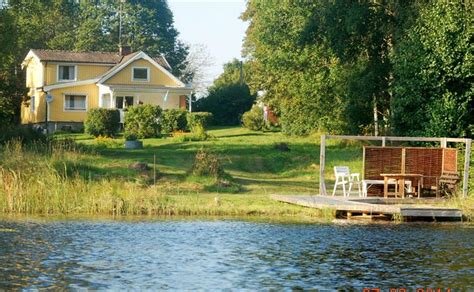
(66, 73)
(75, 102)
(128, 101)
(119, 102)
(141, 74)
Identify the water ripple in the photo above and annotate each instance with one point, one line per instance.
(219, 255)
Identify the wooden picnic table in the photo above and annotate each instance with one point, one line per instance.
(401, 178)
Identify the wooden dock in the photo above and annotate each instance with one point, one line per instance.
(372, 207)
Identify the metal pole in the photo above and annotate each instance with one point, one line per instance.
(120, 23)
(467, 158)
(46, 116)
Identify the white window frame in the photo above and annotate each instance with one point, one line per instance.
(141, 80)
(75, 110)
(66, 65)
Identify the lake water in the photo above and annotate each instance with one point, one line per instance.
(232, 254)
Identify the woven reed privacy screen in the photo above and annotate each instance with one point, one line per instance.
(429, 162)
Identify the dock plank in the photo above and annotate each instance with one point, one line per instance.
(353, 205)
(337, 203)
(431, 212)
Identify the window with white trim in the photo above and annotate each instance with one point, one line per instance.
(74, 102)
(140, 74)
(66, 72)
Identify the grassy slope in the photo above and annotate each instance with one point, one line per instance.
(248, 156)
(107, 185)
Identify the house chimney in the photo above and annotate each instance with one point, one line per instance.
(125, 50)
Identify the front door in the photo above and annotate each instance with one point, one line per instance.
(122, 102)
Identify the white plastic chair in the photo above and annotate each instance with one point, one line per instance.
(344, 177)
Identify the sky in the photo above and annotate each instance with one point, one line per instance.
(214, 24)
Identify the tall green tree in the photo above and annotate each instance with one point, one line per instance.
(149, 26)
(299, 76)
(229, 96)
(12, 87)
(434, 72)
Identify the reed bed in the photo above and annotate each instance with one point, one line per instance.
(50, 179)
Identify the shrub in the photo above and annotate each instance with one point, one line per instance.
(174, 120)
(198, 118)
(130, 137)
(253, 119)
(107, 142)
(102, 122)
(207, 163)
(143, 121)
(25, 134)
(208, 170)
(226, 102)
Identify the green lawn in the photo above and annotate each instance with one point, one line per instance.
(250, 157)
(97, 179)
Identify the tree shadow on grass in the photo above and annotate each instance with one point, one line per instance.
(240, 135)
(275, 183)
(246, 159)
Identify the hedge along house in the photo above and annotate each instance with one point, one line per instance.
(64, 85)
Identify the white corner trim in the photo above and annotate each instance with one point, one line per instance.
(68, 65)
(28, 57)
(140, 55)
(69, 84)
(141, 80)
(76, 94)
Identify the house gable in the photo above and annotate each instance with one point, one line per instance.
(158, 76)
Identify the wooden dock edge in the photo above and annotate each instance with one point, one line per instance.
(368, 210)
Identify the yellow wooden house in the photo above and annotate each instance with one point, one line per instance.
(64, 85)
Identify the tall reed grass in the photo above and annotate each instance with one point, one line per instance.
(49, 178)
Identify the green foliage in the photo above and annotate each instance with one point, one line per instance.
(227, 103)
(130, 137)
(26, 135)
(102, 122)
(198, 119)
(143, 121)
(351, 66)
(12, 89)
(292, 68)
(229, 96)
(434, 73)
(174, 120)
(253, 119)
